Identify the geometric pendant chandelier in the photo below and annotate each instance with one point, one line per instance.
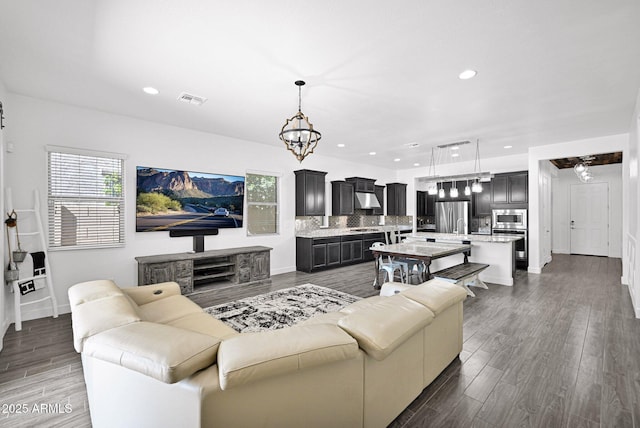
(298, 133)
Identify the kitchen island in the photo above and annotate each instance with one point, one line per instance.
(496, 251)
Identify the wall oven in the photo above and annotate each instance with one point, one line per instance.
(512, 222)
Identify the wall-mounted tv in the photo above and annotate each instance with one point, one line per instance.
(174, 200)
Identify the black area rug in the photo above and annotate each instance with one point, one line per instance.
(282, 308)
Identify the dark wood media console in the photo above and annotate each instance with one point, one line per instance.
(205, 270)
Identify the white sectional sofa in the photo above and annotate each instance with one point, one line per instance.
(153, 358)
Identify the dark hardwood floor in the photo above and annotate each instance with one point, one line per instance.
(560, 349)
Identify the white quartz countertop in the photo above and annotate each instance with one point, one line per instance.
(332, 232)
(452, 237)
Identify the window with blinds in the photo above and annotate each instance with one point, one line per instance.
(85, 199)
(262, 204)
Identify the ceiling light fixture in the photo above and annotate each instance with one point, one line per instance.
(508, 147)
(396, 160)
(476, 186)
(582, 169)
(416, 164)
(454, 190)
(467, 74)
(298, 133)
(341, 145)
(467, 189)
(372, 153)
(151, 91)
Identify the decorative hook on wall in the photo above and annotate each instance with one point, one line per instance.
(1, 116)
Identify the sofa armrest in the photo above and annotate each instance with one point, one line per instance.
(150, 293)
(168, 354)
(249, 357)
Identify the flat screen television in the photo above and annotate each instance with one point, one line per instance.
(187, 202)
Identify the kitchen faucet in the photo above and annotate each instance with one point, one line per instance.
(457, 231)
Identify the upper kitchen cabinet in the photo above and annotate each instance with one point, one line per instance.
(342, 198)
(482, 201)
(310, 194)
(397, 199)
(510, 189)
(366, 185)
(379, 192)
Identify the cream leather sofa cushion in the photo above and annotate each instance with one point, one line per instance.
(163, 352)
(383, 326)
(249, 357)
(436, 295)
(150, 293)
(169, 309)
(364, 303)
(98, 306)
(204, 323)
(328, 318)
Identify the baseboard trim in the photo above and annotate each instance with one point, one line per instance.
(533, 269)
(634, 302)
(3, 327)
(497, 280)
(44, 312)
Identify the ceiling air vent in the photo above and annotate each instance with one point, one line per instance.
(192, 99)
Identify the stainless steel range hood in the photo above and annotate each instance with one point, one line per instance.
(366, 200)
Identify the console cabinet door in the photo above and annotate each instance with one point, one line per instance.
(260, 266)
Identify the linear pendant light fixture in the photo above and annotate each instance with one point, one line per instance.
(298, 133)
(476, 186)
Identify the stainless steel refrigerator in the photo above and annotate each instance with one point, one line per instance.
(452, 217)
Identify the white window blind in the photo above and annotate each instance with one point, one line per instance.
(85, 200)
(262, 204)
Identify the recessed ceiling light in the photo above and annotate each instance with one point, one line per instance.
(151, 91)
(455, 148)
(416, 164)
(340, 145)
(372, 153)
(467, 74)
(507, 147)
(396, 160)
(455, 155)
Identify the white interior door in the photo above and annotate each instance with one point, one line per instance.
(589, 220)
(546, 218)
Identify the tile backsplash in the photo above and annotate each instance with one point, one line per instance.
(306, 224)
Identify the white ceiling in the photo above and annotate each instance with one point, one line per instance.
(379, 74)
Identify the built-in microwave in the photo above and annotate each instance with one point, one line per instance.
(513, 219)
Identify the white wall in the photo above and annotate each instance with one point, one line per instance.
(36, 123)
(4, 322)
(605, 144)
(561, 192)
(631, 229)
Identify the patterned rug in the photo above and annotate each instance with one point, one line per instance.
(282, 308)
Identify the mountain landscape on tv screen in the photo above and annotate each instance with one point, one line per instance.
(171, 199)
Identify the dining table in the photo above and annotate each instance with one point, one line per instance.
(418, 250)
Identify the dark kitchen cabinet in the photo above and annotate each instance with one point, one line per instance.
(430, 209)
(397, 199)
(310, 193)
(482, 201)
(510, 189)
(379, 192)
(342, 198)
(365, 185)
(317, 253)
(421, 203)
(351, 249)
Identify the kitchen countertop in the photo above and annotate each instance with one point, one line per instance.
(452, 237)
(333, 232)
